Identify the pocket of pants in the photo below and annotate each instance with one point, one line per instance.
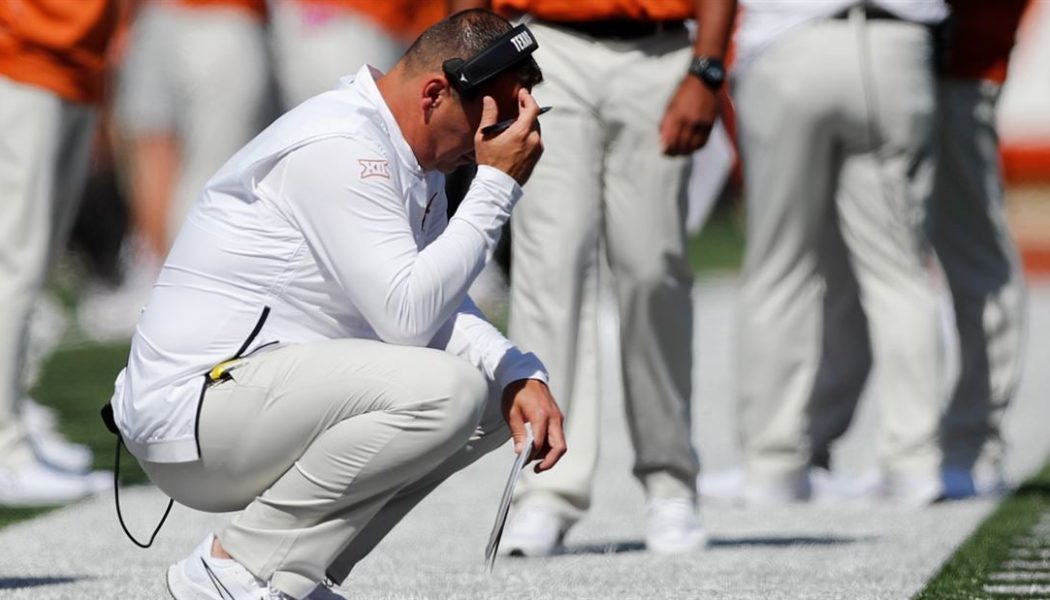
(228, 409)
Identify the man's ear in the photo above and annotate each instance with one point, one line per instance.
(435, 91)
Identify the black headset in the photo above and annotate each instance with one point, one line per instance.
(511, 48)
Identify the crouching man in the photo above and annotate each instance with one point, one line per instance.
(309, 356)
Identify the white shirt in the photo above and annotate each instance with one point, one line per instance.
(327, 223)
(766, 21)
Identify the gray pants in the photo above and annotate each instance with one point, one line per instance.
(44, 145)
(969, 232)
(199, 73)
(603, 182)
(324, 447)
(835, 126)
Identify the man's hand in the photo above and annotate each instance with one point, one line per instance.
(530, 401)
(689, 117)
(515, 150)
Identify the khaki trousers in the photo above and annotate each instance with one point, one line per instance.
(836, 131)
(324, 447)
(603, 182)
(44, 146)
(969, 232)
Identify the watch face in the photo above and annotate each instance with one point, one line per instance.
(710, 71)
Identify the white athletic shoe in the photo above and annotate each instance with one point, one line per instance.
(722, 488)
(912, 492)
(673, 526)
(533, 532)
(49, 445)
(201, 576)
(106, 314)
(777, 493)
(39, 484)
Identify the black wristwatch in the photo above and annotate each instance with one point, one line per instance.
(709, 70)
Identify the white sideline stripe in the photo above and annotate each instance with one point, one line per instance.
(1036, 542)
(1027, 565)
(1020, 576)
(1030, 552)
(1027, 590)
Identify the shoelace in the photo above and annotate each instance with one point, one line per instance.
(219, 587)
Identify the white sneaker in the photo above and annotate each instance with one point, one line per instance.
(38, 484)
(533, 532)
(829, 487)
(673, 526)
(777, 493)
(49, 445)
(912, 492)
(110, 314)
(722, 487)
(201, 576)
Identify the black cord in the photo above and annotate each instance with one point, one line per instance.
(116, 501)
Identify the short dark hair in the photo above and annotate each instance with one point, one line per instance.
(464, 35)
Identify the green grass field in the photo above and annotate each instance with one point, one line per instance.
(983, 553)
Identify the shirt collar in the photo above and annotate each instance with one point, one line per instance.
(365, 82)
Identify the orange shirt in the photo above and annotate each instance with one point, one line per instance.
(567, 11)
(59, 45)
(984, 35)
(256, 7)
(403, 19)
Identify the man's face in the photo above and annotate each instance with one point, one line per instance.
(456, 121)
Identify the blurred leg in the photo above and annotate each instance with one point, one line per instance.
(44, 147)
(786, 139)
(145, 116)
(220, 77)
(555, 245)
(316, 43)
(845, 357)
(970, 235)
(884, 187)
(645, 204)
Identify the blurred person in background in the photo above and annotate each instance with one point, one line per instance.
(632, 99)
(191, 91)
(316, 42)
(967, 226)
(836, 106)
(52, 65)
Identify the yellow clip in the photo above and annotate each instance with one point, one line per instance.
(217, 372)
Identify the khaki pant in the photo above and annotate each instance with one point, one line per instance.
(324, 447)
(969, 232)
(603, 182)
(44, 145)
(836, 131)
